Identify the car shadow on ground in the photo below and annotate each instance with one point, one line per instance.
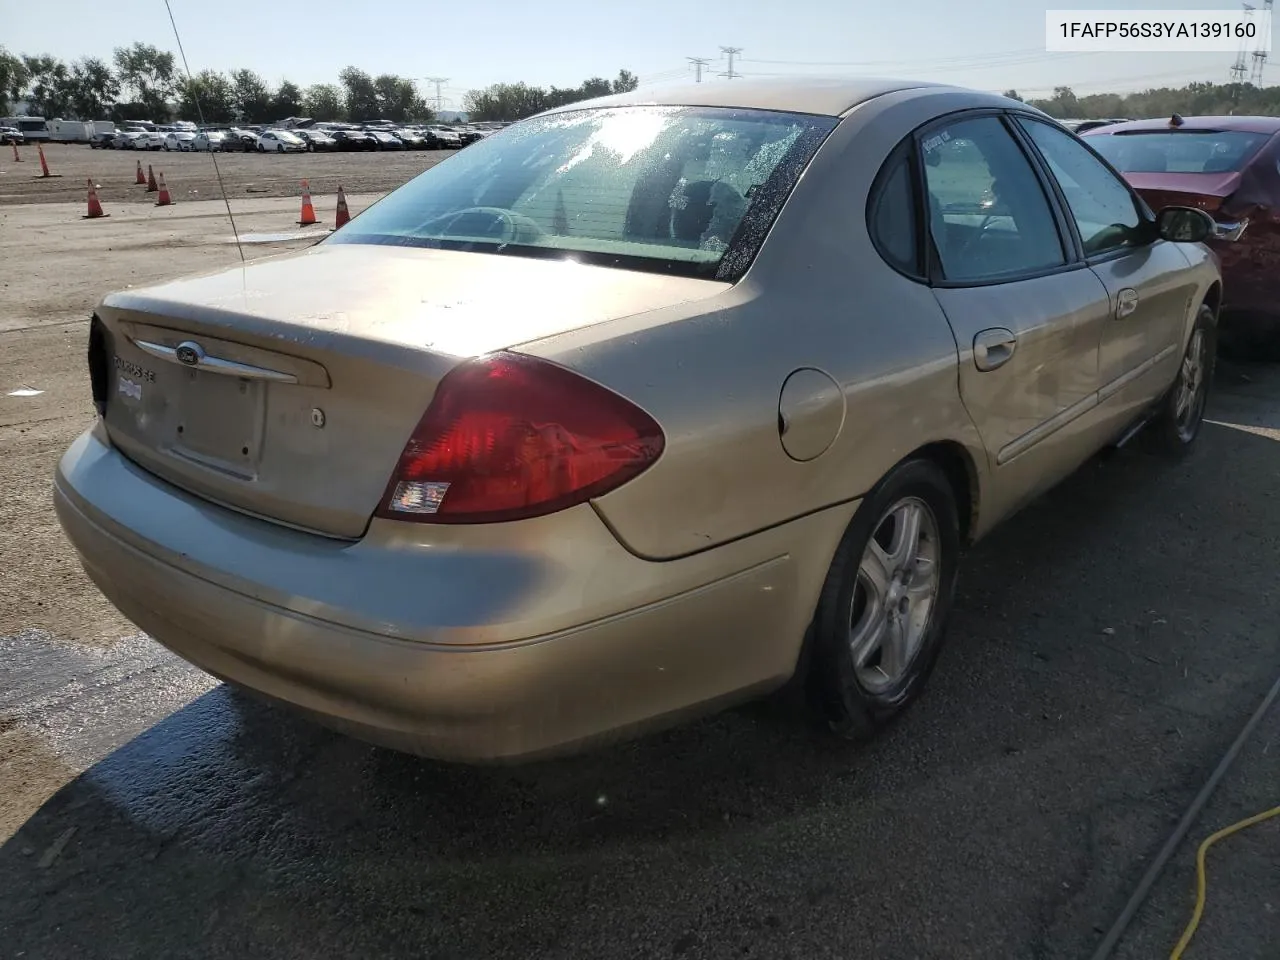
(1106, 644)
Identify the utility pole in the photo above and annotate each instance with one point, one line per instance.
(438, 81)
(730, 52)
(698, 64)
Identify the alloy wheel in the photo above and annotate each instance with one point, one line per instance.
(895, 594)
(1191, 389)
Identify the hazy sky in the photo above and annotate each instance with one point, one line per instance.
(989, 44)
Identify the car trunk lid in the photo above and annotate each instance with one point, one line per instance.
(288, 387)
(1205, 191)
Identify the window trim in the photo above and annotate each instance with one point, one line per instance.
(1146, 216)
(1070, 250)
(905, 152)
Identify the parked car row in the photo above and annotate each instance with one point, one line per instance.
(130, 140)
(309, 139)
(187, 137)
(339, 137)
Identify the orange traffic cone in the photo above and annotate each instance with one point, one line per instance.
(343, 214)
(140, 178)
(308, 211)
(44, 164)
(16, 158)
(163, 200)
(95, 208)
(151, 178)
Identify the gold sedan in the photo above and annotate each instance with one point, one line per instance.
(631, 409)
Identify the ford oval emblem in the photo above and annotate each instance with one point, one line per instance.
(189, 353)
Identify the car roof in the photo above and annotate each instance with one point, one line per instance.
(829, 96)
(1242, 124)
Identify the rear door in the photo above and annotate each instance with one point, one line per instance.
(1147, 280)
(1026, 312)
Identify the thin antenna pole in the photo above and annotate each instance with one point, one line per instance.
(195, 96)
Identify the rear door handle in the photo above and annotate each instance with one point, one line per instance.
(1126, 302)
(994, 348)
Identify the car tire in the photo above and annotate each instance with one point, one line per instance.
(1180, 415)
(886, 582)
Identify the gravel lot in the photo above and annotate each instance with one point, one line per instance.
(1107, 645)
(191, 176)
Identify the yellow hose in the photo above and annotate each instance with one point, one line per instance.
(1196, 914)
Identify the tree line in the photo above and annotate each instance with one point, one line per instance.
(142, 82)
(515, 101)
(1195, 99)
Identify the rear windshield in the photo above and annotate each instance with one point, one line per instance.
(657, 188)
(1192, 151)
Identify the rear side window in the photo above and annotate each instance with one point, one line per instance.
(892, 215)
(989, 217)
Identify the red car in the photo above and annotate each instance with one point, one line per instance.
(1230, 168)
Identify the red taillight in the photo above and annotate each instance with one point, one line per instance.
(508, 437)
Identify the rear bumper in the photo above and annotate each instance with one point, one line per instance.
(536, 639)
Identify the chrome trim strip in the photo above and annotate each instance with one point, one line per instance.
(230, 368)
(1122, 381)
(1050, 426)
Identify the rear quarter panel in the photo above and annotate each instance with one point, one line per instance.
(817, 296)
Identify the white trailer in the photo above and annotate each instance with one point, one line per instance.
(70, 131)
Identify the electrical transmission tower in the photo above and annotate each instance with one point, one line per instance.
(698, 64)
(439, 82)
(730, 52)
(1260, 55)
(1240, 69)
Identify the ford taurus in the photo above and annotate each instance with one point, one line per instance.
(635, 409)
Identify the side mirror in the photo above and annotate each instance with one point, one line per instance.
(1185, 225)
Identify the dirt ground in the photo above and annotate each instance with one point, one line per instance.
(1106, 646)
(191, 176)
(54, 268)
